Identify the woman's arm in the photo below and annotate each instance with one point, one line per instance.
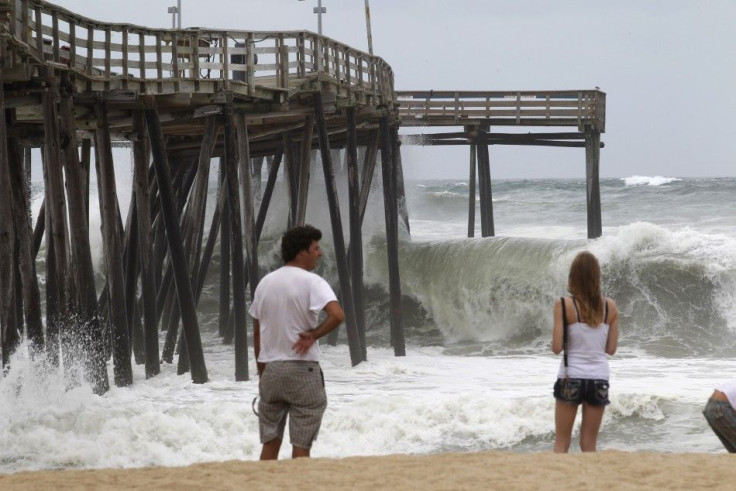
(612, 342)
(557, 330)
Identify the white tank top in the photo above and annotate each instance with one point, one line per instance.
(586, 351)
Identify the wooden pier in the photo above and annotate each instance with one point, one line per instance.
(475, 112)
(179, 98)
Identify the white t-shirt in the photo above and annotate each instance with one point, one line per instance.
(729, 388)
(288, 301)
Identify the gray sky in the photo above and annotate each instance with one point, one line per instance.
(668, 68)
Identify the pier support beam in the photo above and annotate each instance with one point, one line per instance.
(8, 330)
(356, 235)
(592, 182)
(22, 222)
(238, 263)
(250, 237)
(346, 295)
(471, 191)
(123, 372)
(141, 158)
(484, 183)
(389, 140)
(176, 249)
(87, 333)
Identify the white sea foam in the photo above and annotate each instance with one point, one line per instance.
(422, 403)
(648, 180)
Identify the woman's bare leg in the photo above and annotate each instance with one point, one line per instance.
(564, 419)
(592, 417)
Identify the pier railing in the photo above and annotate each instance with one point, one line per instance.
(189, 60)
(512, 108)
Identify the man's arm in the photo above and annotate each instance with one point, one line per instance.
(335, 316)
(257, 345)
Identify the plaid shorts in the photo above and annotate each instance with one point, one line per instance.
(295, 389)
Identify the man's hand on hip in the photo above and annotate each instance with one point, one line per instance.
(306, 340)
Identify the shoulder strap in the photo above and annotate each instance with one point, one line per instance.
(564, 331)
(577, 312)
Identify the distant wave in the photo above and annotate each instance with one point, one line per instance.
(648, 180)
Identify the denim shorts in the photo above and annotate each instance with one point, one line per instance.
(577, 390)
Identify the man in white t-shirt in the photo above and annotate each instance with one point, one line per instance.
(285, 311)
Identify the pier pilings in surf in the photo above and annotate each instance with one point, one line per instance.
(179, 98)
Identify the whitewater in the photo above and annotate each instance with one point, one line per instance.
(477, 311)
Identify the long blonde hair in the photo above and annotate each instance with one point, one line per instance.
(584, 282)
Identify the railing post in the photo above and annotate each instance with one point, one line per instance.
(251, 69)
(283, 65)
(142, 55)
(301, 55)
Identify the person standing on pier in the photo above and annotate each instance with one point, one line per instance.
(587, 341)
(286, 327)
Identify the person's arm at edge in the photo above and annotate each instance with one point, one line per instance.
(612, 341)
(335, 316)
(557, 330)
(257, 345)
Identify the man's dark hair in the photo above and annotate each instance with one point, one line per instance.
(298, 239)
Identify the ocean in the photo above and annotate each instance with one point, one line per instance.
(478, 372)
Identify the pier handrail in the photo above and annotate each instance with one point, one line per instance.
(578, 108)
(241, 60)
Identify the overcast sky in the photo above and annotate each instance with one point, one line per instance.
(668, 68)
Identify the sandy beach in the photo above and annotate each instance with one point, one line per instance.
(485, 470)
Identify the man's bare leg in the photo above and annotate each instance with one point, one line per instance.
(271, 449)
(297, 452)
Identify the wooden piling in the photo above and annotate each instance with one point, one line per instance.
(7, 235)
(122, 369)
(141, 157)
(369, 165)
(356, 349)
(592, 182)
(238, 264)
(273, 171)
(88, 336)
(389, 166)
(225, 248)
(484, 185)
(27, 264)
(304, 170)
(176, 250)
(471, 191)
(355, 255)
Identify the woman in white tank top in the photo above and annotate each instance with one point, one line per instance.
(586, 329)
